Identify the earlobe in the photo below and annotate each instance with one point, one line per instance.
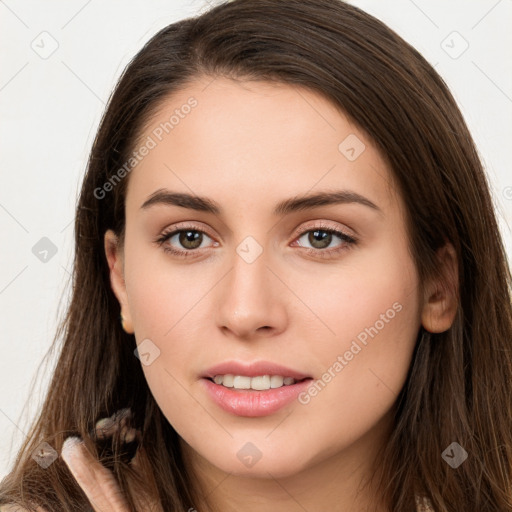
(114, 255)
(441, 294)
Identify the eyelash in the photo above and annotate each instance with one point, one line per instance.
(347, 241)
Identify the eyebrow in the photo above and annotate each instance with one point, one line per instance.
(293, 204)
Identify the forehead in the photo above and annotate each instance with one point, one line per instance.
(249, 142)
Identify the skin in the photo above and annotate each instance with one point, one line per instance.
(248, 146)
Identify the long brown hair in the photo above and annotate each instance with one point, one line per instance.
(459, 387)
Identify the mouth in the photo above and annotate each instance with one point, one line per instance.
(248, 402)
(256, 383)
(260, 371)
(260, 388)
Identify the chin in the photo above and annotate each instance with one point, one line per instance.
(278, 465)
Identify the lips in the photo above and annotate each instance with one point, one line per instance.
(251, 403)
(253, 370)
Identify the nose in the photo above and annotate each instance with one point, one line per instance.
(252, 298)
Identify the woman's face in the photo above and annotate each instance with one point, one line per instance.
(265, 280)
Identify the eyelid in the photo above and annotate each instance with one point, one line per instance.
(324, 225)
(183, 226)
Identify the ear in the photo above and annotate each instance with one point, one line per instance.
(441, 293)
(115, 259)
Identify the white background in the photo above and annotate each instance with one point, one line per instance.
(50, 109)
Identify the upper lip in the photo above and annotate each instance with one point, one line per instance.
(253, 369)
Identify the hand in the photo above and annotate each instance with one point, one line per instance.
(97, 482)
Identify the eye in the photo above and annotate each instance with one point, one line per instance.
(189, 238)
(321, 237)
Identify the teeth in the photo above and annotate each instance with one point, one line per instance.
(259, 383)
(218, 380)
(276, 381)
(241, 382)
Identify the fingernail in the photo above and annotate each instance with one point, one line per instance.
(69, 447)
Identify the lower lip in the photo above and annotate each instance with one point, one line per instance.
(253, 403)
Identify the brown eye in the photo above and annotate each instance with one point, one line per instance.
(183, 242)
(322, 238)
(320, 241)
(190, 239)
(319, 238)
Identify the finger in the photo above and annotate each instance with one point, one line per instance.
(104, 429)
(117, 423)
(97, 482)
(107, 426)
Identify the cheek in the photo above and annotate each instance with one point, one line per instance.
(371, 295)
(164, 312)
(165, 303)
(373, 313)
(160, 293)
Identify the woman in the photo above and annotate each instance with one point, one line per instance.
(286, 209)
